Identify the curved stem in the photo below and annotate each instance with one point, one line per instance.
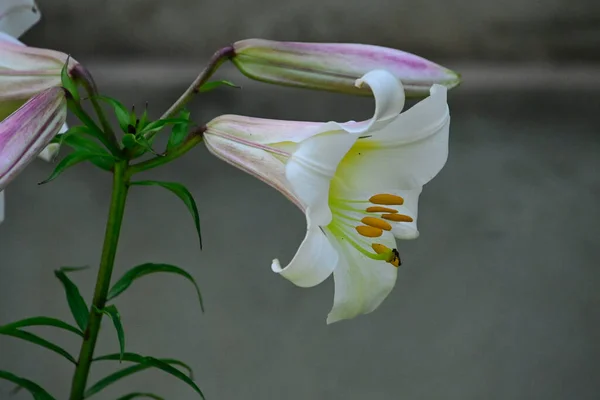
(106, 128)
(215, 62)
(111, 240)
(193, 139)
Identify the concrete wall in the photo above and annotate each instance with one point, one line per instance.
(468, 29)
(497, 300)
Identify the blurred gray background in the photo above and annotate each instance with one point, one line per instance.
(498, 298)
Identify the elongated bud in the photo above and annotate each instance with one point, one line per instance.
(336, 66)
(27, 71)
(25, 133)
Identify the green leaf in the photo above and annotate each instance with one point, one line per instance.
(143, 121)
(68, 83)
(83, 144)
(143, 363)
(133, 357)
(180, 130)
(121, 112)
(208, 86)
(146, 269)
(36, 391)
(130, 141)
(161, 123)
(30, 337)
(77, 304)
(180, 191)
(113, 313)
(80, 130)
(42, 321)
(132, 120)
(77, 157)
(80, 142)
(142, 141)
(136, 395)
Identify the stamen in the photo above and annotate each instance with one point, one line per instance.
(397, 217)
(369, 231)
(376, 209)
(380, 248)
(376, 223)
(393, 255)
(387, 199)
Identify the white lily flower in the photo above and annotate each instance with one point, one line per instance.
(357, 182)
(17, 16)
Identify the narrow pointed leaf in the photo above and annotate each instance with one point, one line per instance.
(115, 316)
(208, 86)
(143, 120)
(140, 395)
(36, 390)
(79, 131)
(146, 269)
(146, 145)
(35, 339)
(80, 142)
(84, 144)
(133, 357)
(121, 112)
(161, 123)
(142, 364)
(77, 304)
(68, 83)
(184, 194)
(42, 321)
(75, 158)
(114, 377)
(180, 130)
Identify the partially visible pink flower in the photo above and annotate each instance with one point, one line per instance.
(27, 71)
(336, 66)
(27, 131)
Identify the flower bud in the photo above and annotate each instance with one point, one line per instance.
(336, 66)
(27, 71)
(25, 133)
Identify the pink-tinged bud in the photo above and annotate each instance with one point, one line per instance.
(25, 133)
(27, 71)
(336, 66)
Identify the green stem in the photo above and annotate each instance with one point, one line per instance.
(106, 128)
(84, 117)
(215, 62)
(111, 239)
(193, 139)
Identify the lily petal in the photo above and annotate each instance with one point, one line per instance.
(50, 152)
(315, 160)
(361, 284)
(25, 133)
(406, 153)
(314, 261)
(17, 16)
(311, 168)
